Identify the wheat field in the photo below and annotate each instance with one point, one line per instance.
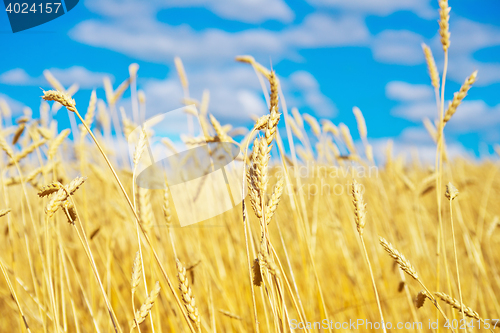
(326, 239)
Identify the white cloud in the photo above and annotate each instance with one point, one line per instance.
(416, 111)
(415, 141)
(251, 11)
(158, 42)
(404, 91)
(80, 75)
(476, 116)
(16, 76)
(468, 37)
(398, 47)
(380, 7)
(235, 93)
(302, 90)
(68, 76)
(471, 117)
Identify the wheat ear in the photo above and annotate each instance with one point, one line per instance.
(187, 294)
(56, 143)
(465, 310)
(360, 218)
(444, 26)
(408, 268)
(459, 96)
(142, 313)
(431, 66)
(4, 212)
(420, 299)
(400, 259)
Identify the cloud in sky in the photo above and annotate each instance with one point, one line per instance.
(251, 11)
(304, 91)
(132, 28)
(380, 7)
(68, 76)
(398, 47)
(418, 102)
(159, 42)
(468, 37)
(415, 142)
(300, 43)
(405, 92)
(235, 93)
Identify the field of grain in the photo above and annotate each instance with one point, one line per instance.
(325, 240)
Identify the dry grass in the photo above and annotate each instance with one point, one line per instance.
(309, 252)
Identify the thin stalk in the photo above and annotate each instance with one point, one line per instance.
(456, 263)
(373, 282)
(148, 241)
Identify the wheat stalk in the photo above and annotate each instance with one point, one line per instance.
(360, 219)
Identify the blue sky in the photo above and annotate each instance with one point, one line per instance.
(330, 55)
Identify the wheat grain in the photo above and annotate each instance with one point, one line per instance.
(403, 263)
(26, 151)
(459, 96)
(361, 122)
(187, 295)
(272, 204)
(230, 315)
(181, 72)
(136, 273)
(89, 116)
(142, 313)
(456, 305)
(451, 191)
(117, 94)
(444, 27)
(431, 66)
(54, 145)
(60, 97)
(346, 136)
(5, 147)
(313, 123)
(4, 212)
(49, 189)
(359, 207)
(261, 123)
(420, 299)
(18, 133)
